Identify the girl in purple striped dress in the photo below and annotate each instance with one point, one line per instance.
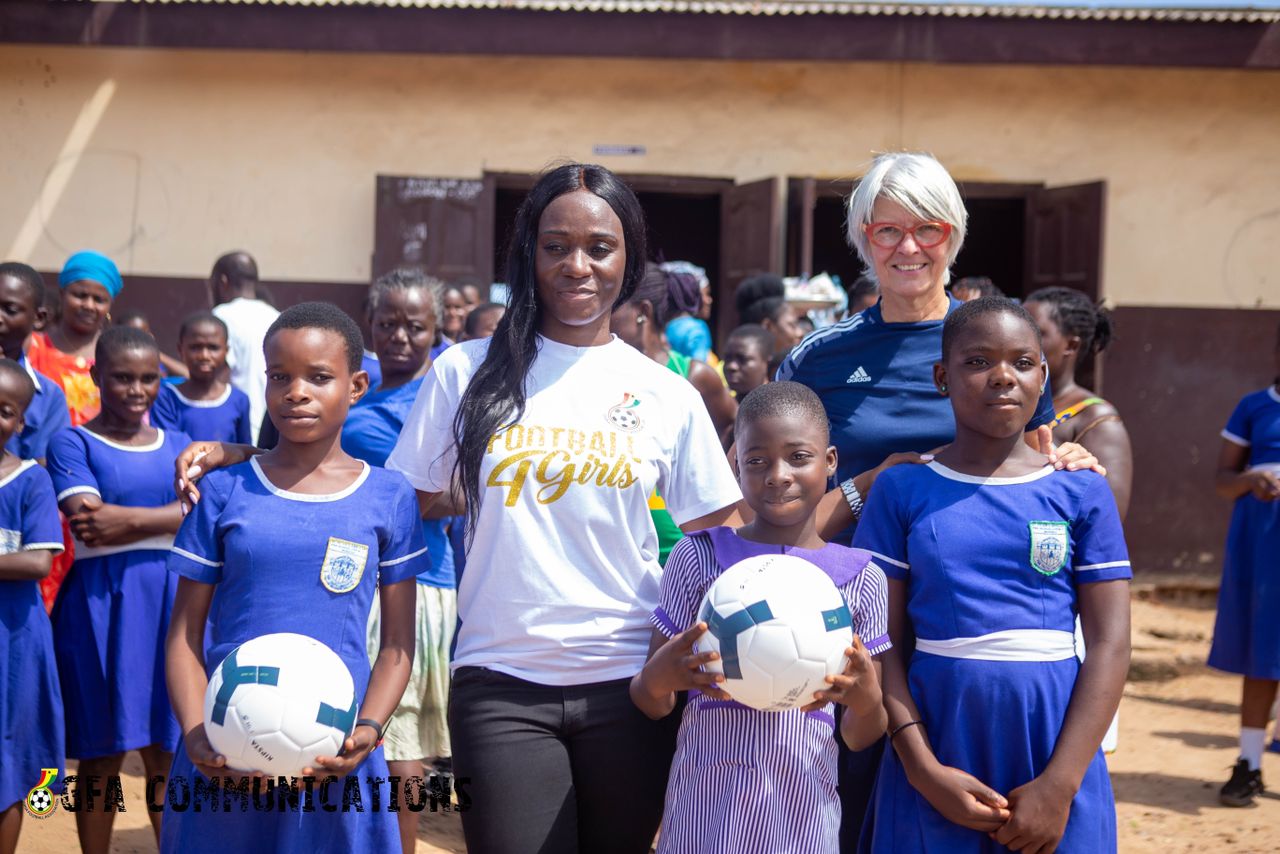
(746, 780)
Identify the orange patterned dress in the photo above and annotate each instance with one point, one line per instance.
(69, 372)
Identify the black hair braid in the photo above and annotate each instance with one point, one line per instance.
(495, 395)
(1078, 315)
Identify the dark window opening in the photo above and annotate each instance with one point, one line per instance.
(993, 246)
(831, 252)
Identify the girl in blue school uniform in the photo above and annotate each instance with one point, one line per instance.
(31, 722)
(995, 725)
(205, 406)
(1246, 637)
(114, 479)
(261, 547)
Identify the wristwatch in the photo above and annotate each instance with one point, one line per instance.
(852, 496)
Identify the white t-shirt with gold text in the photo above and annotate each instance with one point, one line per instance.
(563, 571)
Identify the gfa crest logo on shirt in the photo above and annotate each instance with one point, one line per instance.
(624, 415)
(1050, 545)
(343, 566)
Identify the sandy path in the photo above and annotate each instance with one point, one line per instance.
(1178, 740)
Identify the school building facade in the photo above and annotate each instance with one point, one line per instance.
(1128, 152)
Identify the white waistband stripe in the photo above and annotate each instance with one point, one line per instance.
(1010, 645)
(160, 542)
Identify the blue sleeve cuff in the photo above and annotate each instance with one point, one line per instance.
(194, 567)
(395, 570)
(1119, 570)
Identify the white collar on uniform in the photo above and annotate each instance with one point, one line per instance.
(203, 404)
(31, 372)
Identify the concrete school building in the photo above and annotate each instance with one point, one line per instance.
(1128, 148)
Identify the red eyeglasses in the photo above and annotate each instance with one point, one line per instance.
(927, 235)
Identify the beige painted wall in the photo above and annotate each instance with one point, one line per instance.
(166, 158)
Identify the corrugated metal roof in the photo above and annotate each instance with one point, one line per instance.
(1223, 11)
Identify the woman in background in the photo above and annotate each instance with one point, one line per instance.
(1246, 636)
(686, 328)
(89, 281)
(1073, 331)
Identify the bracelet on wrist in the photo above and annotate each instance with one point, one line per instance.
(377, 727)
(852, 496)
(901, 727)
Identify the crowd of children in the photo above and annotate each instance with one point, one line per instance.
(969, 667)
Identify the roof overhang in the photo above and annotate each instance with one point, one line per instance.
(1205, 35)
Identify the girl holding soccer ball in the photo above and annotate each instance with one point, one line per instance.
(299, 539)
(742, 779)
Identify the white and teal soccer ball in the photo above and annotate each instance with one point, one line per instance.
(781, 627)
(277, 702)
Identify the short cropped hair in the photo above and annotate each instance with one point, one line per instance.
(116, 339)
(28, 275)
(920, 184)
(472, 323)
(782, 398)
(406, 279)
(980, 307)
(758, 335)
(322, 315)
(20, 375)
(202, 318)
(982, 285)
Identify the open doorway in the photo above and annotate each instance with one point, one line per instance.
(994, 243)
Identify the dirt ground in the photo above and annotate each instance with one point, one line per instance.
(1178, 740)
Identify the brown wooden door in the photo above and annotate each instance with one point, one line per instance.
(1064, 238)
(442, 226)
(802, 197)
(750, 242)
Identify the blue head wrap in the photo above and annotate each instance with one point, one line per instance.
(93, 266)
(690, 336)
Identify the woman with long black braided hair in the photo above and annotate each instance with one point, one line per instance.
(556, 432)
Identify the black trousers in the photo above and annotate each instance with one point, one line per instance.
(857, 781)
(557, 770)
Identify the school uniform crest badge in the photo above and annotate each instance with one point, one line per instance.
(343, 566)
(10, 541)
(1050, 545)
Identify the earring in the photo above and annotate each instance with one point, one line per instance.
(943, 389)
(640, 320)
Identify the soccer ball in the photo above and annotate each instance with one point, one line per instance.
(39, 801)
(781, 627)
(277, 702)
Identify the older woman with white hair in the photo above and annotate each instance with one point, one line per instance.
(874, 370)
